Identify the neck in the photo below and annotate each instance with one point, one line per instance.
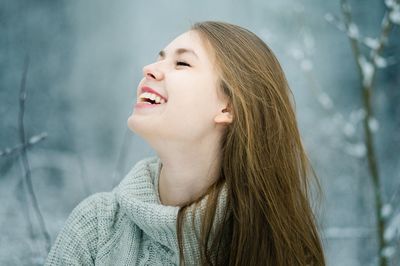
(186, 175)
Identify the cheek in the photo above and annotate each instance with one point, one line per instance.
(186, 108)
(194, 97)
(193, 111)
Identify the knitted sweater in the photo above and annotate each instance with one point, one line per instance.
(129, 225)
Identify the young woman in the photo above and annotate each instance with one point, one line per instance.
(230, 182)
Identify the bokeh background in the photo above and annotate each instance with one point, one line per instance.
(84, 59)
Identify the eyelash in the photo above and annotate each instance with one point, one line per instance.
(182, 63)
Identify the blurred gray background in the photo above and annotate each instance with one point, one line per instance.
(86, 59)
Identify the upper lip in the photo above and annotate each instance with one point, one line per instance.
(148, 89)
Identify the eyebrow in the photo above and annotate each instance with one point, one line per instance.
(179, 51)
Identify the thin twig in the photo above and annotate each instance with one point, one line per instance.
(387, 26)
(119, 166)
(80, 161)
(24, 156)
(24, 201)
(324, 100)
(82, 173)
(367, 73)
(17, 149)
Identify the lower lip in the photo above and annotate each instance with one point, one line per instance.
(146, 105)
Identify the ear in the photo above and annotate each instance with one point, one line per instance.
(225, 116)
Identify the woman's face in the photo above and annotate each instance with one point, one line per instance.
(184, 74)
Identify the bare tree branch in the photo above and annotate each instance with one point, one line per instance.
(367, 72)
(31, 142)
(24, 156)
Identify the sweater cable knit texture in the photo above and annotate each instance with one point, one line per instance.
(129, 225)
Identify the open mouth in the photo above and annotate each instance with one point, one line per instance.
(150, 101)
(151, 98)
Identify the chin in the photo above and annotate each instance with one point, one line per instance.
(141, 126)
(132, 123)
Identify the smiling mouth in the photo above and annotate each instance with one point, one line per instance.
(149, 101)
(151, 98)
(151, 95)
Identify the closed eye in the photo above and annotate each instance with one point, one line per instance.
(181, 63)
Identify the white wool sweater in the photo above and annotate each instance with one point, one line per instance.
(129, 225)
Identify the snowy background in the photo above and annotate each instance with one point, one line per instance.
(84, 59)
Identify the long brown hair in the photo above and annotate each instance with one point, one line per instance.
(268, 219)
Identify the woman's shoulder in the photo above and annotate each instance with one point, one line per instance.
(90, 225)
(96, 210)
(99, 213)
(105, 204)
(94, 206)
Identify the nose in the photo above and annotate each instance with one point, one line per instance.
(152, 72)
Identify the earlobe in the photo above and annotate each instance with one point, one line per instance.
(224, 117)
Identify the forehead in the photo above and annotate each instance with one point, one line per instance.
(190, 40)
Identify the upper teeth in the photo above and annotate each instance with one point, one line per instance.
(152, 96)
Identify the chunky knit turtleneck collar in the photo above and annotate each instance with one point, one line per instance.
(138, 196)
